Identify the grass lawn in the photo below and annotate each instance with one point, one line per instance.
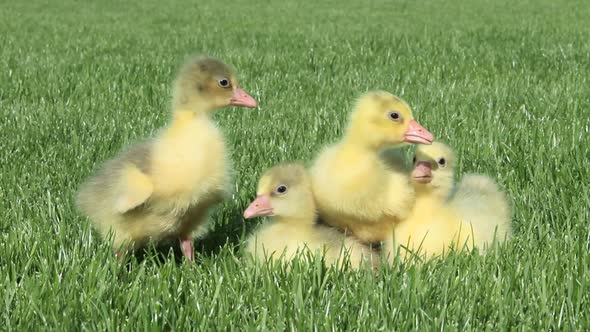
(505, 83)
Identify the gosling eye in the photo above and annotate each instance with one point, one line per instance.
(281, 190)
(395, 116)
(442, 162)
(224, 83)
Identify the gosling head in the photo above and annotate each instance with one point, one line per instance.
(206, 83)
(284, 192)
(381, 120)
(434, 169)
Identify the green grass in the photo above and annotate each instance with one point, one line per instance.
(505, 83)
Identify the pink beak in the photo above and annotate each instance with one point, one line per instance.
(418, 134)
(241, 98)
(422, 172)
(259, 207)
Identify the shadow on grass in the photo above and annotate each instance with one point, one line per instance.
(227, 234)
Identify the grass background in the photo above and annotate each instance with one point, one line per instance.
(505, 83)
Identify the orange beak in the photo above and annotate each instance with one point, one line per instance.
(259, 207)
(422, 172)
(242, 98)
(417, 134)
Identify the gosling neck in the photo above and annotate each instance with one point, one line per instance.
(302, 219)
(183, 116)
(357, 140)
(186, 113)
(430, 194)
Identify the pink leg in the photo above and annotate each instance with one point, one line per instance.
(120, 256)
(187, 247)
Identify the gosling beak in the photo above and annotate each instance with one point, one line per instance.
(422, 173)
(241, 98)
(259, 207)
(417, 134)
